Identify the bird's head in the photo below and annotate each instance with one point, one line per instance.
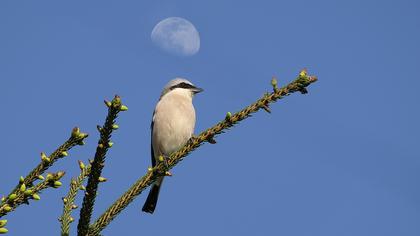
(182, 86)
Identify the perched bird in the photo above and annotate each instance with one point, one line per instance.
(172, 126)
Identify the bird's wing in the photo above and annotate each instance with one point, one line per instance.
(151, 140)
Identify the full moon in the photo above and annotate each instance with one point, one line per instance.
(176, 35)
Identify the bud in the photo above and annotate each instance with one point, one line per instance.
(57, 184)
(228, 115)
(115, 126)
(274, 82)
(81, 165)
(110, 144)
(3, 230)
(102, 179)
(44, 158)
(82, 135)
(123, 108)
(7, 208)
(36, 197)
(22, 188)
(28, 192)
(303, 73)
(3, 223)
(64, 154)
(49, 176)
(21, 179)
(40, 177)
(75, 132)
(12, 196)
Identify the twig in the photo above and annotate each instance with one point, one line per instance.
(97, 165)
(76, 138)
(299, 85)
(69, 205)
(23, 195)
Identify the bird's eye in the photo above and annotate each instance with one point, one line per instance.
(183, 85)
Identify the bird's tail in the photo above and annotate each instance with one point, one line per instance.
(151, 201)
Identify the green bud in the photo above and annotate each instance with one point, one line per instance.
(82, 187)
(28, 192)
(228, 115)
(40, 177)
(123, 108)
(274, 82)
(7, 208)
(12, 196)
(161, 158)
(3, 223)
(64, 154)
(3, 199)
(57, 184)
(22, 188)
(75, 132)
(36, 197)
(21, 179)
(115, 126)
(49, 176)
(303, 73)
(64, 200)
(81, 165)
(44, 158)
(107, 103)
(150, 169)
(102, 179)
(3, 230)
(71, 219)
(110, 144)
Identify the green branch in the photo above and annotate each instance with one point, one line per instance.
(10, 202)
(69, 205)
(97, 164)
(299, 85)
(24, 194)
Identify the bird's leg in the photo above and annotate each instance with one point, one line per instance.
(192, 139)
(164, 160)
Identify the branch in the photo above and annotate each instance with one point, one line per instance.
(24, 194)
(25, 183)
(75, 185)
(299, 85)
(97, 165)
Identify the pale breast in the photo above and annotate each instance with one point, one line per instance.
(174, 122)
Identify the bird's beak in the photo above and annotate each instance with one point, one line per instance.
(197, 90)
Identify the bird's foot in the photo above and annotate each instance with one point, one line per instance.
(164, 160)
(192, 139)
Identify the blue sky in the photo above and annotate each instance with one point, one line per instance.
(341, 160)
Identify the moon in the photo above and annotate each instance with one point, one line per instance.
(176, 35)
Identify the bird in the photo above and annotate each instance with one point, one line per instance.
(173, 124)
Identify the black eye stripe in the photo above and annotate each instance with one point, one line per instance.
(182, 85)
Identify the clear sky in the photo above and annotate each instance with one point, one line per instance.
(341, 160)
